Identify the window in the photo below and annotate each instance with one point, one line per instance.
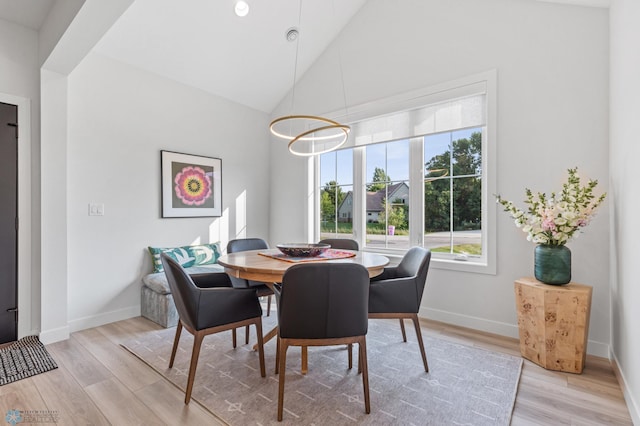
(453, 192)
(336, 194)
(416, 174)
(387, 189)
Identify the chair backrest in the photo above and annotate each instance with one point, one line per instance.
(324, 300)
(184, 291)
(245, 244)
(341, 243)
(415, 263)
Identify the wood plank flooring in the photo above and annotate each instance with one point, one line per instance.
(100, 383)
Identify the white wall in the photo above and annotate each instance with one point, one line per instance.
(120, 118)
(625, 178)
(54, 242)
(20, 85)
(551, 62)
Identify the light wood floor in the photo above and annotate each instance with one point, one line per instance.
(98, 382)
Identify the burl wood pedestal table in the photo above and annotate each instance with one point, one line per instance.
(553, 322)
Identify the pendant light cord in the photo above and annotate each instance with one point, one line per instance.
(295, 64)
(344, 90)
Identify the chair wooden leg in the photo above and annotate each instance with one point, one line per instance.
(283, 368)
(416, 324)
(349, 348)
(197, 343)
(260, 346)
(246, 335)
(365, 372)
(176, 339)
(234, 338)
(277, 353)
(268, 305)
(404, 334)
(304, 368)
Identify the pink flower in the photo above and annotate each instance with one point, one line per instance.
(193, 186)
(548, 224)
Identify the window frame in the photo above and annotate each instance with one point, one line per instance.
(485, 264)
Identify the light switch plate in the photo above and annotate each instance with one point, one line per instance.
(96, 209)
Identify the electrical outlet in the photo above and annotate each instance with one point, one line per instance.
(96, 209)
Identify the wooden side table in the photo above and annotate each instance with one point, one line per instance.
(553, 322)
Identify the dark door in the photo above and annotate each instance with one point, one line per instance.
(8, 222)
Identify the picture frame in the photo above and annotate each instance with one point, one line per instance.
(191, 185)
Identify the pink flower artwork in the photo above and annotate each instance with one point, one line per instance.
(192, 186)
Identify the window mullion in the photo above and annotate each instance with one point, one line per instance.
(451, 193)
(416, 192)
(359, 206)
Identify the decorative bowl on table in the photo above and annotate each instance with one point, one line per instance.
(302, 249)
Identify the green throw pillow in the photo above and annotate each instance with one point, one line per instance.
(187, 256)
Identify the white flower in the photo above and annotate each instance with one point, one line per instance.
(563, 214)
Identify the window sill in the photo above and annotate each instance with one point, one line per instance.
(463, 266)
(471, 266)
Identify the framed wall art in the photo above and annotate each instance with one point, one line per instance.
(191, 185)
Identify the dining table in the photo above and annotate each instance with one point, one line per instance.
(258, 265)
(269, 265)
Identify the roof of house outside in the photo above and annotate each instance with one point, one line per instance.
(375, 198)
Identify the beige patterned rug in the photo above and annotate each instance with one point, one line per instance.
(465, 385)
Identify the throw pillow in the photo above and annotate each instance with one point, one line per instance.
(186, 256)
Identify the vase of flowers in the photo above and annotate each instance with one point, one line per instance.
(552, 221)
(552, 264)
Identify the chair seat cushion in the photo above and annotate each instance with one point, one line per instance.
(158, 281)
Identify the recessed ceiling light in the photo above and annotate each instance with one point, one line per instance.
(242, 8)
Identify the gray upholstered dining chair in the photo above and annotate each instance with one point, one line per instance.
(210, 307)
(245, 244)
(322, 304)
(397, 292)
(341, 243)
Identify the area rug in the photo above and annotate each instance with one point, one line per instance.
(24, 358)
(465, 385)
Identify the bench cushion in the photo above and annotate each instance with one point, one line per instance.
(186, 256)
(158, 281)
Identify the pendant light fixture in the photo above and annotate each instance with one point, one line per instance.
(308, 134)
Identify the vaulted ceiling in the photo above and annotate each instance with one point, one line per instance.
(202, 43)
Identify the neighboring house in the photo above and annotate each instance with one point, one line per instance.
(345, 210)
(398, 194)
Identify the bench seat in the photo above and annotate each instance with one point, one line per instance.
(157, 302)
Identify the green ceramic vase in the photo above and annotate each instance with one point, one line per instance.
(553, 264)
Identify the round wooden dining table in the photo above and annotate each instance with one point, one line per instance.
(251, 265)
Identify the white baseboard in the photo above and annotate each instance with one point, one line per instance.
(475, 323)
(55, 335)
(632, 405)
(104, 318)
(496, 327)
(598, 349)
